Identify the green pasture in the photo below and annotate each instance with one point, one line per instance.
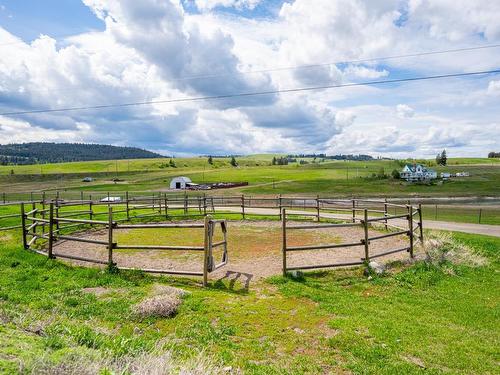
(330, 178)
(422, 318)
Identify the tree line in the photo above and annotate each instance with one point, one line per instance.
(359, 157)
(45, 152)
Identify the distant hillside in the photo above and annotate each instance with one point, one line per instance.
(41, 152)
(359, 157)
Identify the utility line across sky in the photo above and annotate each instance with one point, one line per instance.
(306, 66)
(256, 93)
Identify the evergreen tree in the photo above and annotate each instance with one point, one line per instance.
(444, 158)
(233, 162)
(438, 159)
(274, 161)
(172, 163)
(210, 160)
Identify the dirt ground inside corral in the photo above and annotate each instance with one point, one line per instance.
(254, 248)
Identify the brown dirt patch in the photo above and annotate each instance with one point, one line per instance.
(254, 249)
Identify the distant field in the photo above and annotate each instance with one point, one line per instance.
(332, 178)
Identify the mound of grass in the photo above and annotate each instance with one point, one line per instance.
(163, 305)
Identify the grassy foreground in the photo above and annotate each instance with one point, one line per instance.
(435, 317)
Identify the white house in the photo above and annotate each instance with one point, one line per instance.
(180, 182)
(417, 172)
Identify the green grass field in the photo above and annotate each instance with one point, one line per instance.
(425, 318)
(330, 178)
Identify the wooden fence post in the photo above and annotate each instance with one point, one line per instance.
(33, 207)
(280, 205)
(185, 204)
(3, 197)
(127, 205)
(243, 206)
(57, 215)
(410, 228)
(317, 208)
(23, 224)
(206, 250)
(204, 204)
(420, 224)
(91, 212)
(283, 241)
(385, 212)
(43, 212)
(110, 237)
(366, 241)
(51, 231)
(480, 214)
(166, 205)
(353, 210)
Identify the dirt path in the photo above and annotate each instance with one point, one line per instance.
(489, 230)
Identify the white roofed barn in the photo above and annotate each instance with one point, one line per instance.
(180, 182)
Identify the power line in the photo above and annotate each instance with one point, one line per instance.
(372, 59)
(306, 66)
(257, 93)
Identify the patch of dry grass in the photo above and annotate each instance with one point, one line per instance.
(164, 302)
(441, 247)
(145, 364)
(163, 305)
(159, 289)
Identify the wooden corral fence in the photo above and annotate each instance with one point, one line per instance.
(54, 220)
(400, 224)
(161, 205)
(52, 228)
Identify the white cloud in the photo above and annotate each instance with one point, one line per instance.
(205, 5)
(151, 50)
(404, 111)
(494, 87)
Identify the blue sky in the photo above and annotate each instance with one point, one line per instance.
(56, 54)
(29, 19)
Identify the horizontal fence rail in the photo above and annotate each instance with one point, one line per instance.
(49, 221)
(365, 222)
(53, 234)
(168, 205)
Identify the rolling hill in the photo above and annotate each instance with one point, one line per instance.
(42, 152)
